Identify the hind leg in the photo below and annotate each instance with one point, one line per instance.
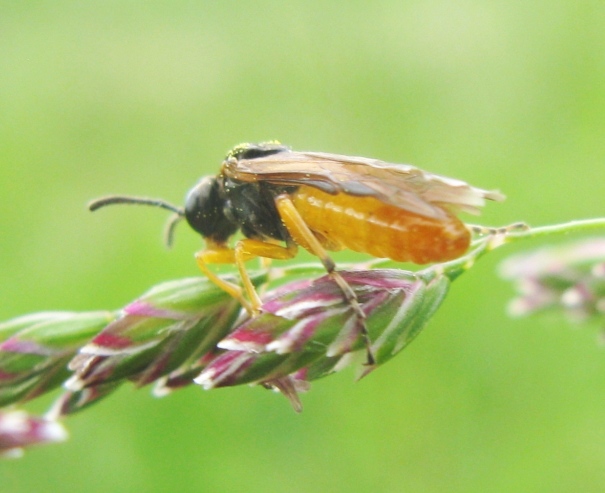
(303, 236)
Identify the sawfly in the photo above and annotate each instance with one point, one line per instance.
(281, 199)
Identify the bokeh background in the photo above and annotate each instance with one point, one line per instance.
(145, 97)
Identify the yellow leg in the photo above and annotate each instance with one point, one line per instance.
(303, 236)
(244, 250)
(222, 256)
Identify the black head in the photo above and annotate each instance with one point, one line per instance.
(205, 203)
(204, 211)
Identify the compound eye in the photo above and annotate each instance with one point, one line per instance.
(204, 211)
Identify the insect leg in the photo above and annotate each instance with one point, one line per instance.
(222, 256)
(244, 250)
(249, 248)
(303, 236)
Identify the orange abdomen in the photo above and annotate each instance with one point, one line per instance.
(367, 225)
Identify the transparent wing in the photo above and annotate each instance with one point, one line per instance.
(400, 185)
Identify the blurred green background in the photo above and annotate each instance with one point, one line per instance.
(144, 98)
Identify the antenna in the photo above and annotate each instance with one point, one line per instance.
(179, 212)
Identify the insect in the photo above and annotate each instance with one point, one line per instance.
(280, 200)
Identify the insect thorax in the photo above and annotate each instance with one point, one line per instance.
(252, 207)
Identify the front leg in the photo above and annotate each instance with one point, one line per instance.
(221, 256)
(248, 248)
(244, 250)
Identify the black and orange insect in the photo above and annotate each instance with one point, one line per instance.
(280, 199)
